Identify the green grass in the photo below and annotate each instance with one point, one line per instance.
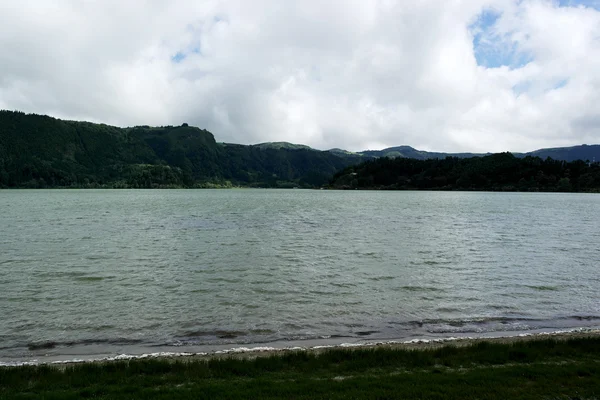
(538, 369)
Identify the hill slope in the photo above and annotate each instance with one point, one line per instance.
(409, 152)
(41, 151)
(583, 152)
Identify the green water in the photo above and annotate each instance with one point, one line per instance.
(124, 271)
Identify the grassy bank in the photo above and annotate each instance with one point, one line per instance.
(534, 369)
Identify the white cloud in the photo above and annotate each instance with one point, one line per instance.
(350, 74)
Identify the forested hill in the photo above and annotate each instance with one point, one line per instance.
(496, 172)
(410, 152)
(41, 151)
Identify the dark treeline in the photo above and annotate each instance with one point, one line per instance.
(496, 172)
(40, 152)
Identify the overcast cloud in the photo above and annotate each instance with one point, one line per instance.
(470, 75)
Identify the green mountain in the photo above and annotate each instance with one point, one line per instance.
(282, 145)
(583, 152)
(495, 172)
(409, 152)
(343, 152)
(41, 151)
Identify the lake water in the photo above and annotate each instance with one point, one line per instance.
(90, 273)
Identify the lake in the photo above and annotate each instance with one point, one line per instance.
(94, 273)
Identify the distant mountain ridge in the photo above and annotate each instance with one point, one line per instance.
(582, 152)
(410, 152)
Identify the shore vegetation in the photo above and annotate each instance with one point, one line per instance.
(525, 369)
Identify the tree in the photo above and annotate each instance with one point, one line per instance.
(564, 185)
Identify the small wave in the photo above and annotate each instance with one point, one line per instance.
(323, 293)
(447, 309)
(343, 284)
(365, 333)
(221, 334)
(67, 274)
(581, 318)
(411, 288)
(499, 307)
(543, 287)
(263, 290)
(51, 344)
(42, 345)
(457, 323)
(334, 336)
(201, 291)
(89, 278)
(500, 324)
(381, 278)
(435, 262)
(225, 334)
(12, 261)
(94, 257)
(223, 280)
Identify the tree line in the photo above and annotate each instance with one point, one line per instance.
(496, 172)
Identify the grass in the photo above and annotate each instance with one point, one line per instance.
(536, 369)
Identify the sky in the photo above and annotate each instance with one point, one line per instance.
(438, 75)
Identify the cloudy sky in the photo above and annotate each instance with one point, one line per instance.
(445, 75)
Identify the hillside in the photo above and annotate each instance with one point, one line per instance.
(282, 145)
(583, 152)
(41, 151)
(409, 152)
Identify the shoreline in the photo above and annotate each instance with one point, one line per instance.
(326, 188)
(252, 352)
(520, 367)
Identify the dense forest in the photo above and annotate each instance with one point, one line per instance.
(40, 151)
(496, 172)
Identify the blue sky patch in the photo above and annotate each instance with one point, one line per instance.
(183, 54)
(576, 3)
(179, 57)
(560, 84)
(491, 49)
